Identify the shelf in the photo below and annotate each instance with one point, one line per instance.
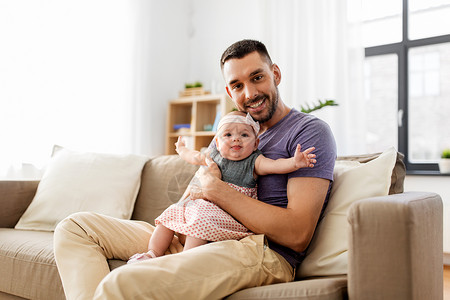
(198, 111)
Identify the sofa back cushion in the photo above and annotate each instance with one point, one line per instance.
(15, 196)
(163, 182)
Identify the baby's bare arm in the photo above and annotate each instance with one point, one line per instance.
(305, 159)
(191, 156)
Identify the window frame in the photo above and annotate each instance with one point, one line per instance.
(401, 49)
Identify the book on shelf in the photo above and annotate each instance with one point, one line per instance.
(180, 126)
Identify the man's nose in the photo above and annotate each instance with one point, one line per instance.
(250, 92)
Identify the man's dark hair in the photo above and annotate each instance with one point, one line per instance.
(244, 47)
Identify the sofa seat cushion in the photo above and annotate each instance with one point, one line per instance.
(28, 267)
(329, 288)
(115, 263)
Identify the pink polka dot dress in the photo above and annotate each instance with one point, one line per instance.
(203, 219)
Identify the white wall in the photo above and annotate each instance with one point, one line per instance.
(162, 72)
(439, 185)
(215, 26)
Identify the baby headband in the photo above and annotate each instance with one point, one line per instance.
(239, 119)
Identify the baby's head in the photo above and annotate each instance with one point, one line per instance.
(236, 136)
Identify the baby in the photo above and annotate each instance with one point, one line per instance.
(197, 221)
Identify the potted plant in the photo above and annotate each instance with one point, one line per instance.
(444, 163)
(193, 89)
(307, 109)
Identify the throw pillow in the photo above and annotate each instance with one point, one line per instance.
(398, 173)
(74, 182)
(353, 181)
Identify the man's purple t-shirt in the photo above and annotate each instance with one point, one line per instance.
(280, 141)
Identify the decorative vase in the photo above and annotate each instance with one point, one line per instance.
(444, 165)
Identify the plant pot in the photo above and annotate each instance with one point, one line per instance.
(444, 165)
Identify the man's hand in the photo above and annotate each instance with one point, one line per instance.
(204, 178)
(207, 176)
(195, 188)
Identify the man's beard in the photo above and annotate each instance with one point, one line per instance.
(271, 108)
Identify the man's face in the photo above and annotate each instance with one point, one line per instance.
(252, 84)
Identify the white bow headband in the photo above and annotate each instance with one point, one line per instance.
(239, 119)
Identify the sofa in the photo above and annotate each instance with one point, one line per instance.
(390, 245)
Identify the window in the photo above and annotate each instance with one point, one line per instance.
(407, 76)
(381, 90)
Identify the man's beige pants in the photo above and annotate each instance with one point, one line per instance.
(84, 242)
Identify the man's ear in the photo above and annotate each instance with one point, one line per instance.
(276, 73)
(228, 92)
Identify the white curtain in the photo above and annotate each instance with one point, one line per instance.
(67, 76)
(316, 44)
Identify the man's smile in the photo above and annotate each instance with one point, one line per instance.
(257, 105)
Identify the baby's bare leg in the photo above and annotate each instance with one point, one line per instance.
(160, 240)
(192, 242)
(158, 244)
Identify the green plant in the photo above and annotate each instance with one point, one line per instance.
(196, 84)
(307, 109)
(445, 153)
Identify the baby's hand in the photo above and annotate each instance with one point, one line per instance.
(179, 144)
(304, 159)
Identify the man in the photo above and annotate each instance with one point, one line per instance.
(283, 219)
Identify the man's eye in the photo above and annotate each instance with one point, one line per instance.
(237, 86)
(258, 78)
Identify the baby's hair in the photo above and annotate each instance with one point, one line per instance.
(239, 117)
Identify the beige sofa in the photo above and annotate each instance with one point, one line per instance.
(394, 242)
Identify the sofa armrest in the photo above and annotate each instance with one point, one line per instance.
(15, 196)
(396, 247)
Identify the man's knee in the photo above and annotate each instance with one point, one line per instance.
(67, 224)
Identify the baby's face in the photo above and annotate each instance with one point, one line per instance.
(236, 141)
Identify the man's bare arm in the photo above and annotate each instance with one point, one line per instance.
(292, 227)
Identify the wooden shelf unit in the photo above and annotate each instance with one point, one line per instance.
(197, 111)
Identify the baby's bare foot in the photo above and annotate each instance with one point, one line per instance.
(141, 257)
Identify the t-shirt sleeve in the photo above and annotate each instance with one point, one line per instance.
(315, 133)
